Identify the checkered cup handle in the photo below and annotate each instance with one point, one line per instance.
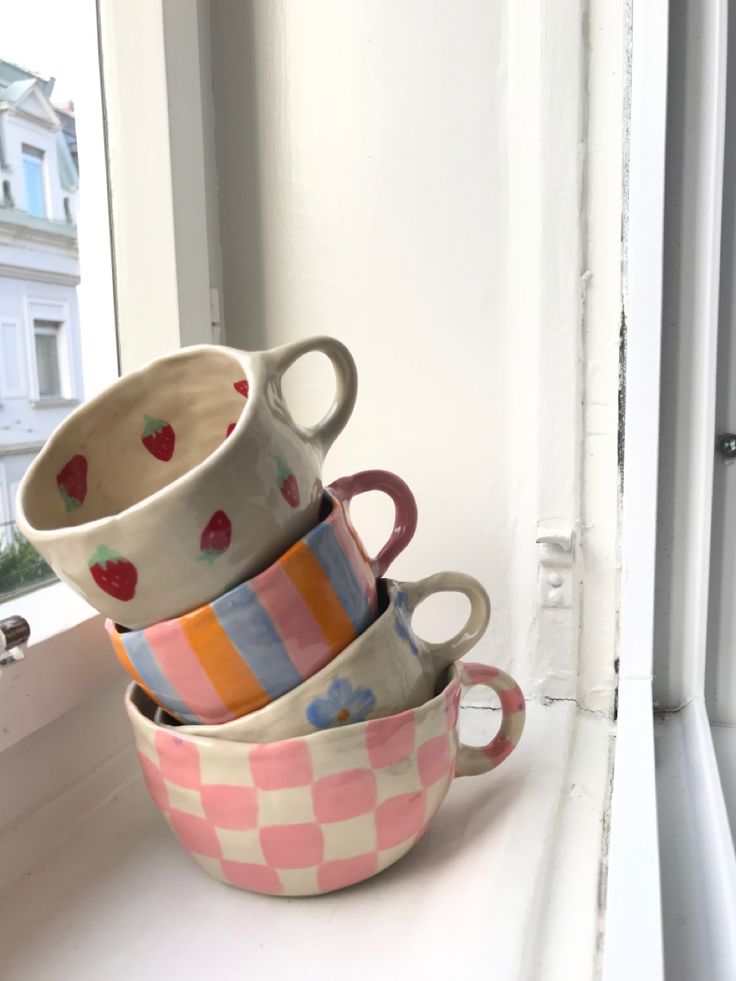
(280, 359)
(447, 651)
(472, 760)
(405, 510)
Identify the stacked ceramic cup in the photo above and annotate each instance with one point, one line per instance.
(295, 732)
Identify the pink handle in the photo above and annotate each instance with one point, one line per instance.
(405, 514)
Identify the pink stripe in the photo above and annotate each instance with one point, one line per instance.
(172, 650)
(300, 633)
(360, 563)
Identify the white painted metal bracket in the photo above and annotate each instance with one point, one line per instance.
(555, 561)
(557, 617)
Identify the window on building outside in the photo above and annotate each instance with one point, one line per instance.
(33, 176)
(47, 337)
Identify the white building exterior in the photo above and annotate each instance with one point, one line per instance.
(40, 349)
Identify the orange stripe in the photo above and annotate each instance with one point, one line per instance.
(305, 571)
(231, 677)
(119, 648)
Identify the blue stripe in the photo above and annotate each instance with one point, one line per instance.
(336, 565)
(256, 639)
(149, 669)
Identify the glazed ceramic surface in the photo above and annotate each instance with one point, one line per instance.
(385, 670)
(181, 479)
(315, 814)
(265, 636)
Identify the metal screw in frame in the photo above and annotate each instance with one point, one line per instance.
(14, 634)
(726, 446)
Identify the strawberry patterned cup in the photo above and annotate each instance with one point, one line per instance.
(385, 670)
(265, 636)
(180, 479)
(311, 815)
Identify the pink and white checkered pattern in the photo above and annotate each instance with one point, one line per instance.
(298, 817)
(320, 812)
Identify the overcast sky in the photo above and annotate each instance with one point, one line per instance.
(41, 35)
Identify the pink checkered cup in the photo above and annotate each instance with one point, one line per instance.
(310, 815)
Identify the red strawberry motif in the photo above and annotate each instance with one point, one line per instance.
(72, 482)
(230, 429)
(215, 538)
(158, 438)
(287, 484)
(242, 387)
(113, 574)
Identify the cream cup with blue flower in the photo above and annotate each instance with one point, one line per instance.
(386, 670)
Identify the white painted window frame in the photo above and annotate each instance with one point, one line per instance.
(41, 308)
(663, 642)
(162, 245)
(691, 300)
(633, 936)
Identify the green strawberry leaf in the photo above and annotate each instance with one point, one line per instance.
(103, 555)
(70, 503)
(284, 472)
(152, 426)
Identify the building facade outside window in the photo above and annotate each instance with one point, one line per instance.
(41, 376)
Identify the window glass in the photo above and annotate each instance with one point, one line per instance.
(33, 176)
(46, 336)
(51, 353)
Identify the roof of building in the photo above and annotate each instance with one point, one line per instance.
(10, 73)
(16, 90)
(16, 85)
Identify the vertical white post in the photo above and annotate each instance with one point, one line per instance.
(633, 935)
(157, 175)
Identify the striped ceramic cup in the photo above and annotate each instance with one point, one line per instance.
(265, 636)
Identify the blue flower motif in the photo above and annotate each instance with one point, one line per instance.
(402, 624)
(341, 706)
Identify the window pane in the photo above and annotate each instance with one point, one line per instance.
(41, 319)
(33, 176)
(47, 362)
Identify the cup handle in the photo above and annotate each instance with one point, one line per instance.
(472, 760)
(405, 510)
(333, 422)
(446, 651)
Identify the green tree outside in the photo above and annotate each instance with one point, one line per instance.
(21, 567)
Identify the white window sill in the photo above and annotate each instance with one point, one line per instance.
(68, 660)
(724, 744)
(52, 403)
(698, 867)
(50, 610)
(505, 882)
